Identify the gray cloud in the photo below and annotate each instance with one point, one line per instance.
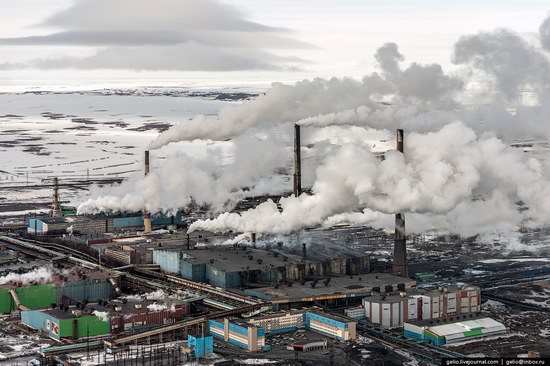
(189, 56)
(161, 35)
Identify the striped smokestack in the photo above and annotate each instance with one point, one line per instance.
(400, 265)
(147, 226)
(297, 189)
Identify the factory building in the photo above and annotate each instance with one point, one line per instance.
(330, 325)
(280, 322)
(96, 224)
(334, 292)
(238, 333)
(356, 313)
(392, 310)
(452, 329)
(225, 267)
(240, 266)
(59, 324)
(68, 287)
(104, 317)
(200, 346)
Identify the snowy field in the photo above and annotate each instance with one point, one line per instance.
(84, 135)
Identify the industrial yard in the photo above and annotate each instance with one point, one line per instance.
(224, 183)
(141, 287)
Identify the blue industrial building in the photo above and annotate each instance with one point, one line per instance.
(238, 333)
(224, 267)
(330, 325)
(201, 346)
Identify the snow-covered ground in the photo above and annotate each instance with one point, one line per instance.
(84, 135)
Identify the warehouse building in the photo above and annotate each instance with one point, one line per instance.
(332, 292)
(104, 317)
(330, 325)
(450, 330)
(238, 333)
(393, 309)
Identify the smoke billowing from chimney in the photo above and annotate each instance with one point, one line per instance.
(400, 264)
(297, 186)
(147, 225)
(454, 150)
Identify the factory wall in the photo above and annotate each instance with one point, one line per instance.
(65, 328)
(85, 325)
(330, 326)
(357, 313)
(88, 289)
(168, 260)
(432, 305)
(223, 279)
(32, 297)
(34, 224)
(127, 320)
(250, 338)
(201, 346)
(193, 271)
(280, 323)
(127, 222)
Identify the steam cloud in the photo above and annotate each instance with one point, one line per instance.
(458, 162)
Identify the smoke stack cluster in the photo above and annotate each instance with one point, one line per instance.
(147, 226)
(297, 190)
(400, 265)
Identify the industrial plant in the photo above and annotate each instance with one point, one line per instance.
(142, 287)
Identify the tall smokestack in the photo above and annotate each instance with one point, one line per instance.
(304, 252)
(297, 162)
(56, 205)
(254, 240)
(147, 226)
(400, 265)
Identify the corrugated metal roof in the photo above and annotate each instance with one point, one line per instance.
(464, 326)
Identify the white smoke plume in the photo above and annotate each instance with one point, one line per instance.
(507, 58)
(458, 163)
(102, 315)
(183, 179)
(160, 307)
(38, 276)
(441, 172)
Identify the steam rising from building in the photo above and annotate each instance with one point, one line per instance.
(459, 160)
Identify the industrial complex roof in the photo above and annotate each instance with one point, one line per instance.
(228, 259)
(466, 326)
(338, 287)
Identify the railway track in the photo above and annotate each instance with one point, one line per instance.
(425, 351)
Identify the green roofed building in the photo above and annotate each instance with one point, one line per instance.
(449, 330)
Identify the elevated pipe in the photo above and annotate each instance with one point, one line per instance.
(16, 300)
(400, 265)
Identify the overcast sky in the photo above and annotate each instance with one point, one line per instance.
(209, 42)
